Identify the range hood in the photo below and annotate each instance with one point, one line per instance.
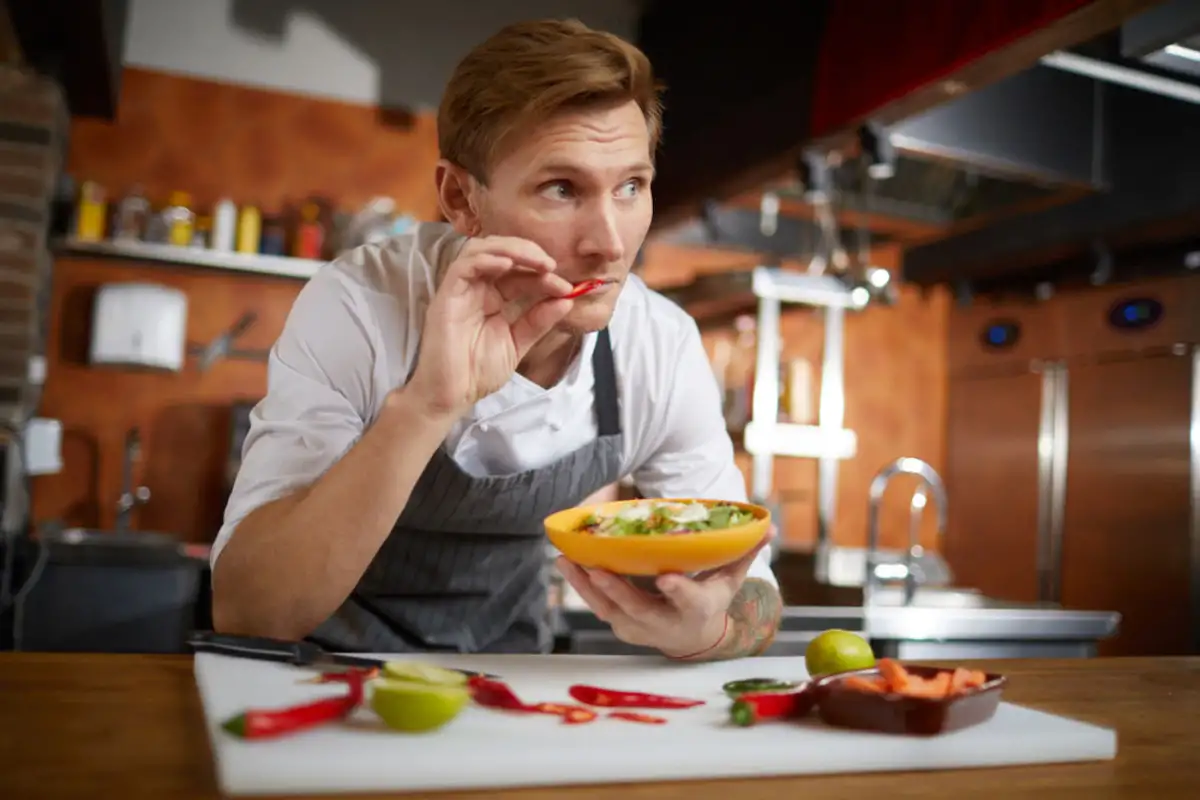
(1166, 37)
(745, 100)
(1143, 215)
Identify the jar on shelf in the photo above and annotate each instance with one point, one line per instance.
(180, 219)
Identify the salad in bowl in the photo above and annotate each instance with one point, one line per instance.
(664, 517)
(658, 536)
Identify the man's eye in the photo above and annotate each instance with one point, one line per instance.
(558, 190)
(630, 188)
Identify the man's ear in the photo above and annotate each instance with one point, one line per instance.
(457, 196)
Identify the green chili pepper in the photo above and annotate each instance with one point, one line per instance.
(736, 689)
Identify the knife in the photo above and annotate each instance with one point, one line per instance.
(301, 654)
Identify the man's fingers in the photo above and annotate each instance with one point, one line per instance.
(633, 602)
(480, 265)
(690, 597)
(536, 322)
(529, 286)
(601, 606)
(521, 251)
(736, 572)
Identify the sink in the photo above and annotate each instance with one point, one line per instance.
(952, 598)
(931, 597)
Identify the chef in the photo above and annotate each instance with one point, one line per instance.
(434, 396)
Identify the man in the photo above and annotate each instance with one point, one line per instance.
(434, 397)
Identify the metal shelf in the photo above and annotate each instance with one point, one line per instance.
(281, 266)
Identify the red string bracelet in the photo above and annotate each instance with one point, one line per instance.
(711, 647)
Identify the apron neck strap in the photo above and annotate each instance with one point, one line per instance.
(608, 407)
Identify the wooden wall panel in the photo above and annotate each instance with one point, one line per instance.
(269, 148)
(184, 418)
(254, 146)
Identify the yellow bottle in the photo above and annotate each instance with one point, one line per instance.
(249, 230)
(90, 214)
(180, 220)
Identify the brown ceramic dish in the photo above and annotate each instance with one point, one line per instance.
(847, 707)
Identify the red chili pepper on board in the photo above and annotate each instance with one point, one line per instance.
(631, 716)
(496, 694)
(269, 723)
(755, 707)
(583, 287)
(612, 698)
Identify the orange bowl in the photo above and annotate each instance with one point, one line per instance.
(655, 554)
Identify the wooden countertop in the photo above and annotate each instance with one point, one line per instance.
(131, 726)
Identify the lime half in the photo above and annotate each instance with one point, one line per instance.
(418, 672)
(837, 651)
(416, 707)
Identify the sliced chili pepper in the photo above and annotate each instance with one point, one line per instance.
(496, 694)
(611, 698)
(570, 714)
(576, 716)
(632, 716)
(583, 287)
(755, 707)
(269, 723)
(737, 688)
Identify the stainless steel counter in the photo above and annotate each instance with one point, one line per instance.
(974, 628)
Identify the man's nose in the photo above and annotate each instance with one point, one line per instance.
(602, 236)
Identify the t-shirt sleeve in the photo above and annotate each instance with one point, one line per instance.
(320, 379)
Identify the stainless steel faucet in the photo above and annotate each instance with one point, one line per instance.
(130, 497)
(931, 483)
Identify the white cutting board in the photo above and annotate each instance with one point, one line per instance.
(483, 748)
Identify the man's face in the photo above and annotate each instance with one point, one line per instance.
(578, 186)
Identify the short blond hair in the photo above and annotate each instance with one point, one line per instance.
(528, 71)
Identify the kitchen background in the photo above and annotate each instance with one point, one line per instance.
(1050, 383)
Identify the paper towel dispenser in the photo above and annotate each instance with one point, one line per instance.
(139, 324)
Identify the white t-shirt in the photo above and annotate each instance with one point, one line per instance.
(352, 336)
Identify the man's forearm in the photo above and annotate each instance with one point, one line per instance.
(754, 617)
(291, 563)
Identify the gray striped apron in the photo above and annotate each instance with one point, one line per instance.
(466, 567)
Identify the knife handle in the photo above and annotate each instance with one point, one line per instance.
(256, 647)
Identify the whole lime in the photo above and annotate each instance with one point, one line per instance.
(837, 651)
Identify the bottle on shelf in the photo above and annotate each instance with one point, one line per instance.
(202, 234)
(91, 212)
(225, 224)
(274, 236)
(249, 230)
(180, 219)
(309, 241)
(132, 215)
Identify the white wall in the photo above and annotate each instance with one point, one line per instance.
(392, 52)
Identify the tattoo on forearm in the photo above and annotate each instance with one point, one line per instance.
(754, 618)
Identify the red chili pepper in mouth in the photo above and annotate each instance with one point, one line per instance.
(755, 707)
(269, 723)
(631, 716)
(610, 698)
(583, 287)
